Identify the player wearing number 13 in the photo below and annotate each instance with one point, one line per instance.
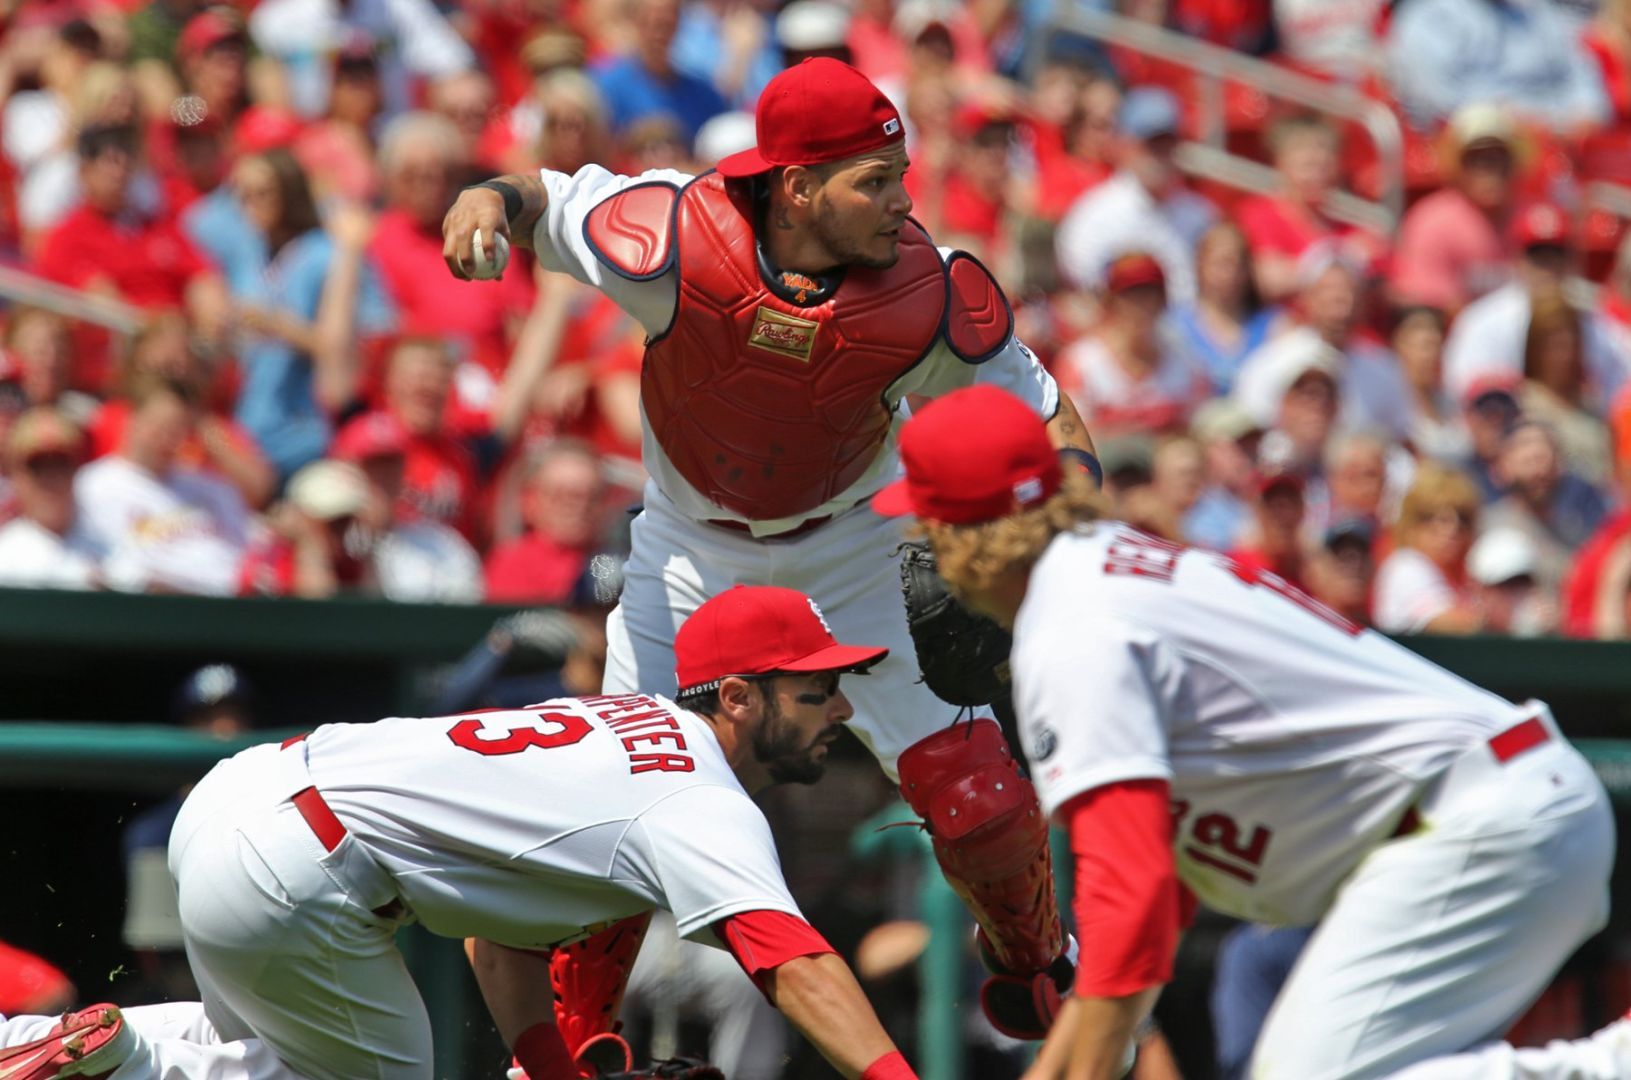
(523, 829)
(1204, 730)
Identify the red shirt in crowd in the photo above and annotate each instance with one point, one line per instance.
(1448, 252)
(1283, 227)
(439, 482)
(1061, 177)
(534, 570)
(474, 314)
(149, 262)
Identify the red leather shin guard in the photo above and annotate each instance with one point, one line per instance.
(990, 838)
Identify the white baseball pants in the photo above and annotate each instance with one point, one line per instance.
(1443, 937)
(299, 976)
(849, 566)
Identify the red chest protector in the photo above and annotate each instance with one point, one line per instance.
(765, 405)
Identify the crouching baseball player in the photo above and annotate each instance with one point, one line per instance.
(521, 829)
(1203, 729)
(792, 307)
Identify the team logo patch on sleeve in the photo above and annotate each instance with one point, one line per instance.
(784, 334)
(1043, 743)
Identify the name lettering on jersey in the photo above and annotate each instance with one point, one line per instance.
(639, 720)
(1142, 555)
(801, 284)
(787, 335)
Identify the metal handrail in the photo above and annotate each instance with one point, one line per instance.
(25, 288)
(1209, 157)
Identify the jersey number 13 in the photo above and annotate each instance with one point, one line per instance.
(475, 735)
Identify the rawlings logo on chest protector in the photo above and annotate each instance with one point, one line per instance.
(784, 334)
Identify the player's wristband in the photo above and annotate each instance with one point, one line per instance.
(512, 198)
(541, 1052)
(1087, 461)
(892, 1066)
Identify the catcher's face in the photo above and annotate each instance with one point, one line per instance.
(803, 714)
(861, 207)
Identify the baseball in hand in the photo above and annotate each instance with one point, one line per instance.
(483, 268)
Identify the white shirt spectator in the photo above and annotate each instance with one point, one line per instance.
(1121, 216)
(1443, 54)
(182, 533)
(1370, 385)
(1334, 36)
(1111, 400)
(1411, 591)
(1487, 340)
(34, 557)
(427, 562)
(411, 38)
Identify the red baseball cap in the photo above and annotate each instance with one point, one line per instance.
(1266, 481)
(208, 29)
(975, 455)
(1131, 271)
(377, 434)
(760, 630)
(264, 127)
(1541, 224)
(819, 111)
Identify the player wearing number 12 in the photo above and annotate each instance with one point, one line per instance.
(1205, 730)
(527, 829)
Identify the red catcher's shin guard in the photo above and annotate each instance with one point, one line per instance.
(990, 838)
(589, 976)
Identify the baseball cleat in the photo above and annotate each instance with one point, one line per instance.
(90, 1043)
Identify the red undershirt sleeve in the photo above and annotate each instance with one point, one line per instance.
(1128, 905)
(764, 940)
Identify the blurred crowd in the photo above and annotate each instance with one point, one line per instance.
(1425, 426)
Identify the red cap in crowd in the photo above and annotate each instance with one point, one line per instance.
(1131, 271)
(375, 435)
(759, 630)
(975, 455)
(1541, 225)
(972, 117)
(264, 127)
(1265, 482)
(819, 111)
(1498, 382)
(207, 29)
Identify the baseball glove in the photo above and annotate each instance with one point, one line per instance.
(680, 1068)
(963, 656)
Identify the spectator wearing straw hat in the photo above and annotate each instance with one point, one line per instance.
(1452, 244)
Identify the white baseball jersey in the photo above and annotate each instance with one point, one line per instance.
(561, 245)
(1293, 740)
(530, 826)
